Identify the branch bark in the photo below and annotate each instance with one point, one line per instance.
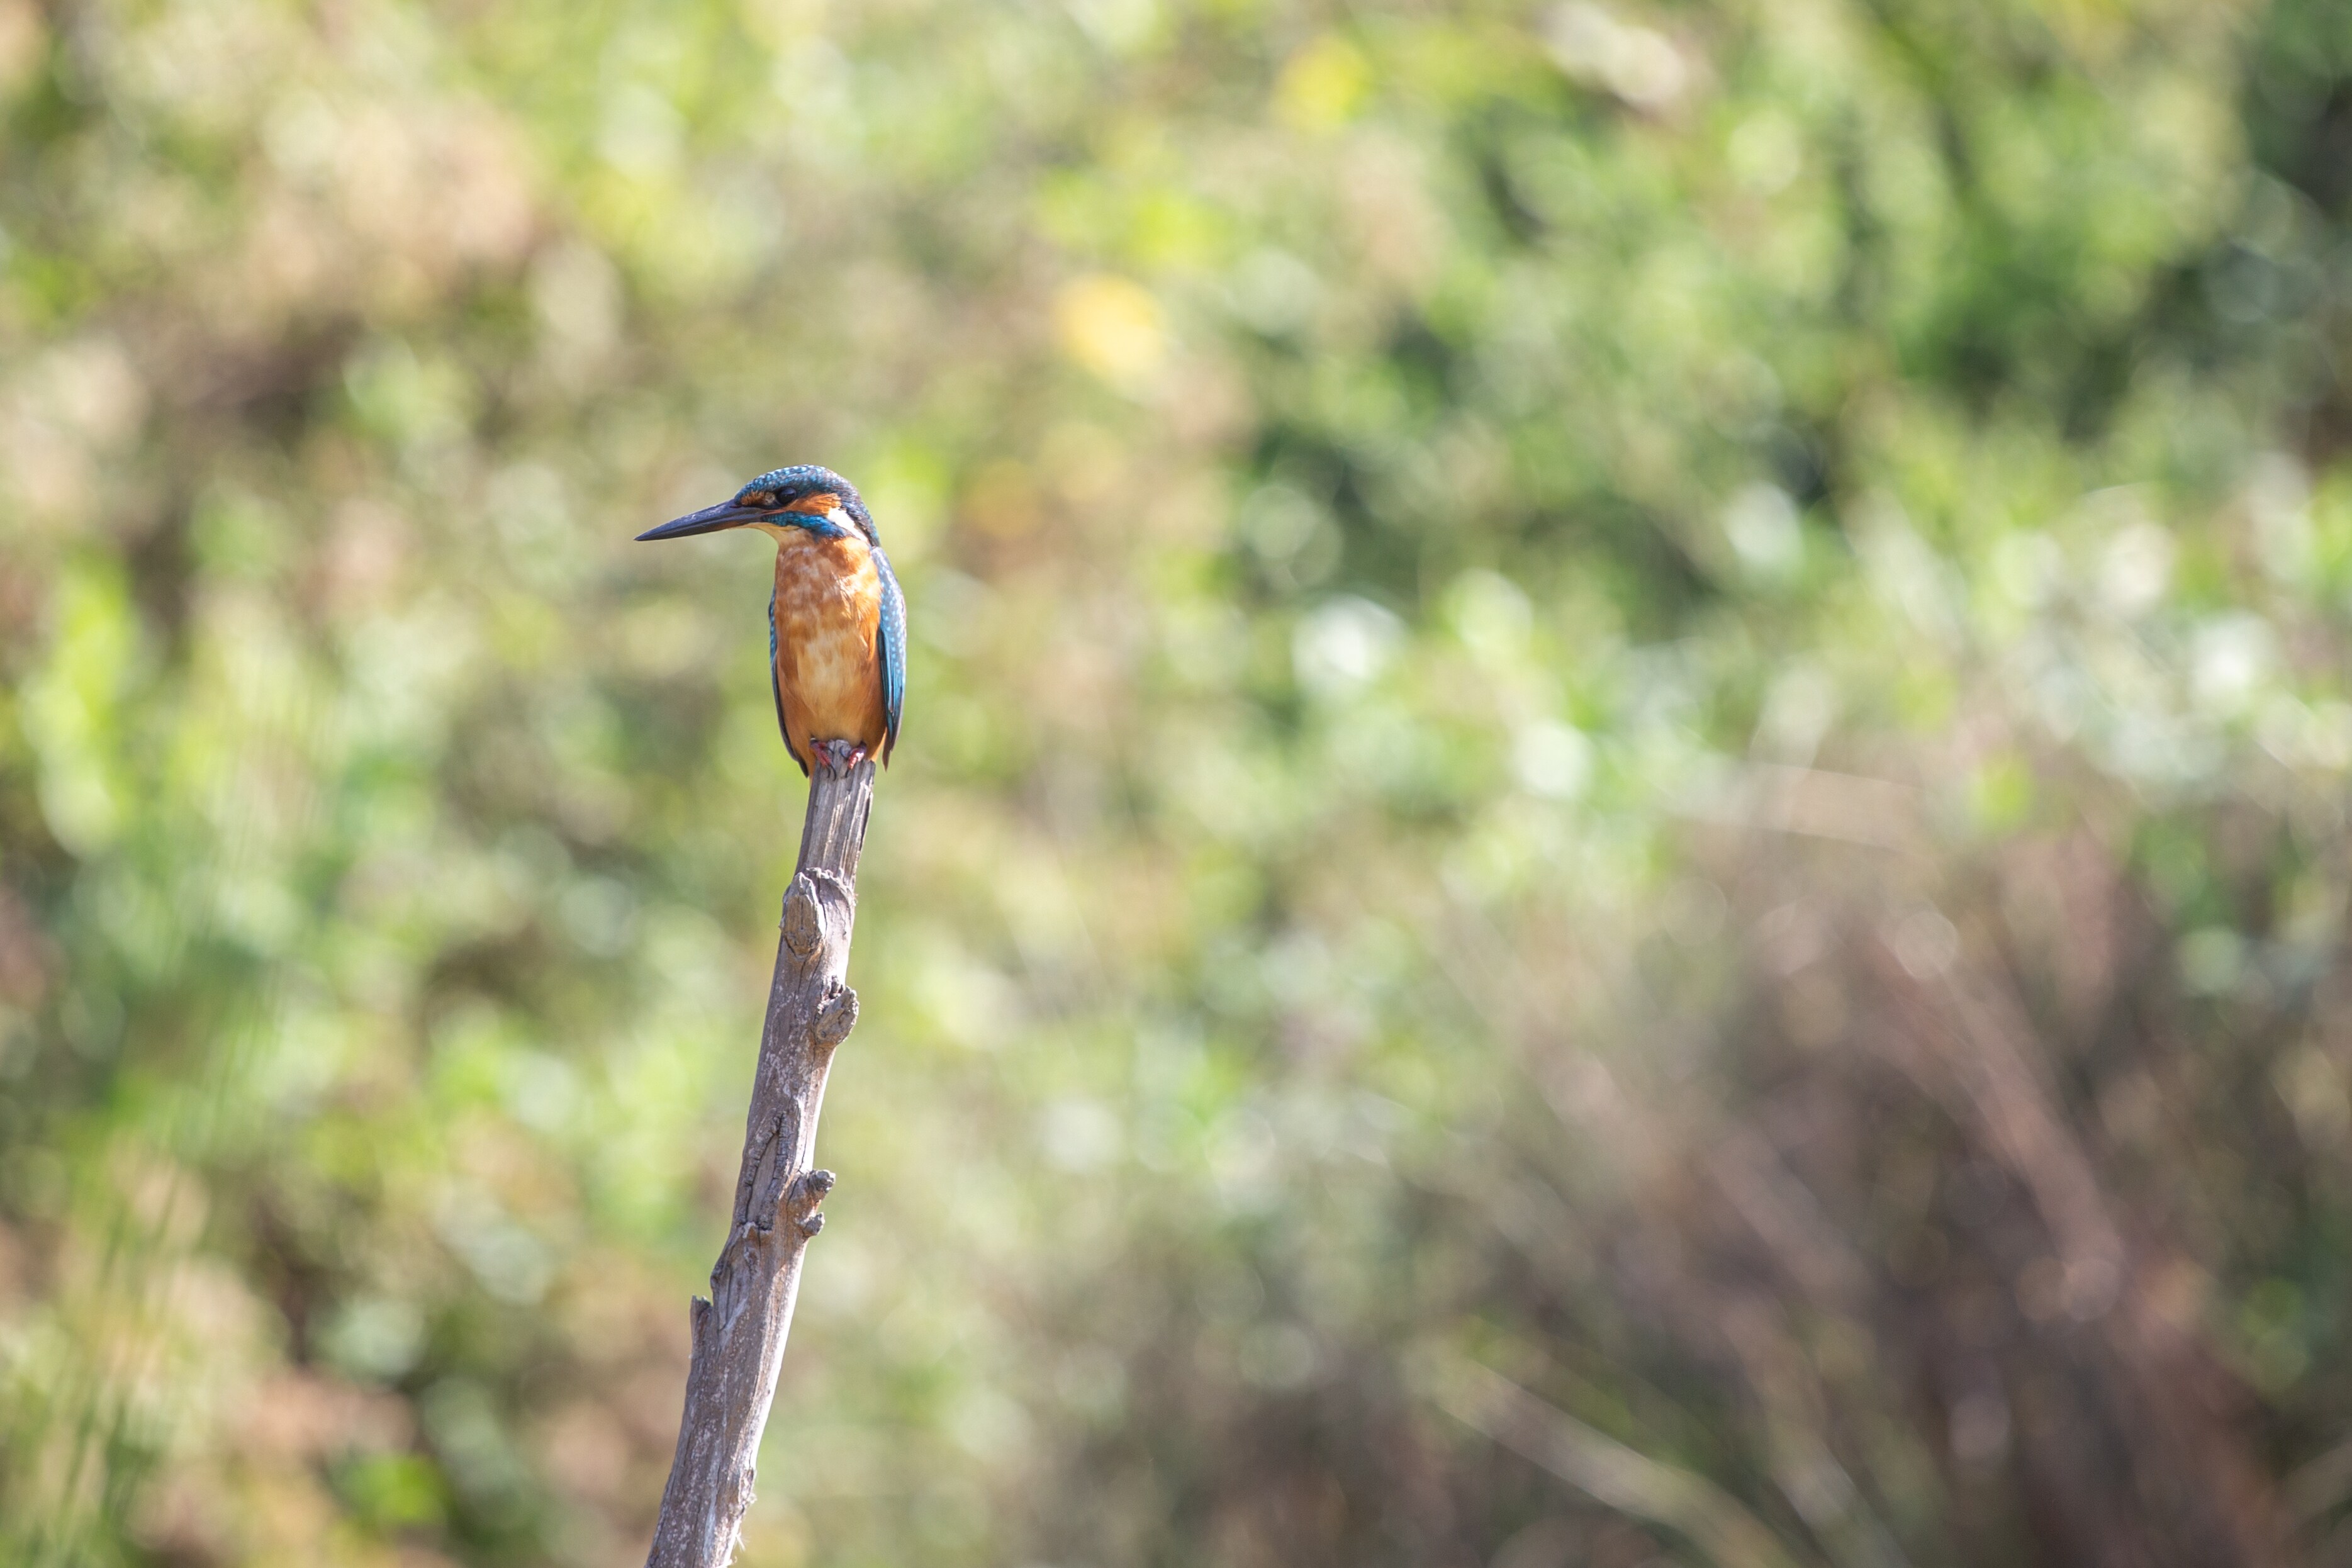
(739, 1333)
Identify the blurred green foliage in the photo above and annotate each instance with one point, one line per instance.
(1651, 698)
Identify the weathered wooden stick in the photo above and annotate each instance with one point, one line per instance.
(739, 1333)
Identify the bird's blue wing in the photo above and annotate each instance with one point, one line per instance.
(776, 685)
(890, 642)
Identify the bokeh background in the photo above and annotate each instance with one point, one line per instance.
(1621, 837)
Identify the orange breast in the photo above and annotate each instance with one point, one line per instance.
(828, 671)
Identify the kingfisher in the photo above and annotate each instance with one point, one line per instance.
(836, 621)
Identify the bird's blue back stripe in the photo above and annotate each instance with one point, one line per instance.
(892, 636)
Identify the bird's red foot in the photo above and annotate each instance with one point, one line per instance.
(838, 755)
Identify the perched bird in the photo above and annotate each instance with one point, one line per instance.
(836, 621)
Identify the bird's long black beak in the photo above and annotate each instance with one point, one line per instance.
(709, 519)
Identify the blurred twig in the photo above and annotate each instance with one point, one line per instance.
(739, 1333)
(1612, 1473)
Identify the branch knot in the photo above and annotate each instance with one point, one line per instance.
(803, 921)
(808, 1190)
(836, 1016)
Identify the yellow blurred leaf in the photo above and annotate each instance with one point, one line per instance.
(1323, 85)
(1113, 327)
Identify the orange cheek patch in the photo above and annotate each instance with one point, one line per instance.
(816, 505)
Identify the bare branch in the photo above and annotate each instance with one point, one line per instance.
(739, 1333)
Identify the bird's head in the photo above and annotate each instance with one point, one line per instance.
(805, 496)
